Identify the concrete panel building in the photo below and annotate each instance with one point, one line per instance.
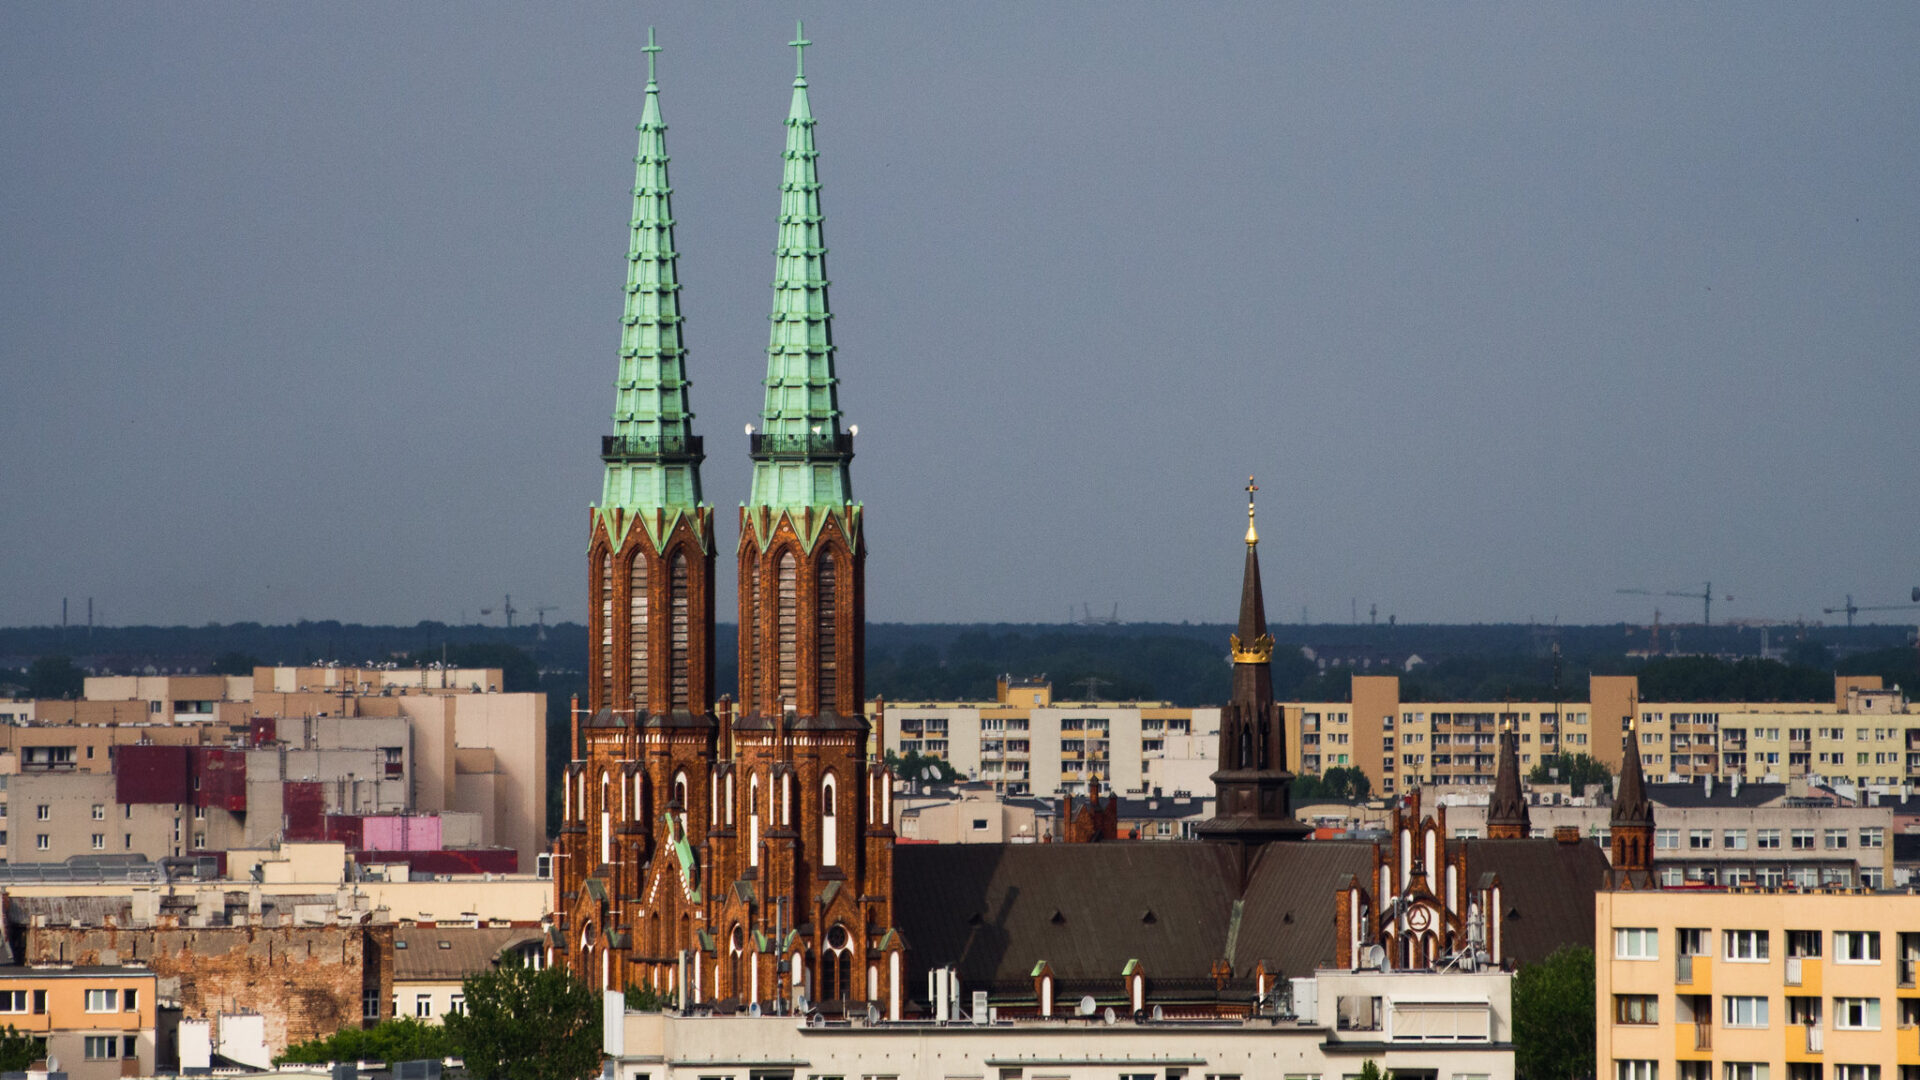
(99, 1022)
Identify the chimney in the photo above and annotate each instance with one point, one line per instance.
(1566, 834)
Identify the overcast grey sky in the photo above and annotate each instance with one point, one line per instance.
(312, 311)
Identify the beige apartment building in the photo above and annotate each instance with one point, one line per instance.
(1708, 984)
(385, 740)
(1025, 742)
(1865, 736)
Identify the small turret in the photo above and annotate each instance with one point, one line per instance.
(1507, 817)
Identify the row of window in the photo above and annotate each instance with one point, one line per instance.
(1753, 946)
(1769, 839)
(98, 1001)
(1744, 1011)
(1749, 1070)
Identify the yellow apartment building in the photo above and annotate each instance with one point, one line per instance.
(1712, 984)
(97, 1022)
(1866, 735)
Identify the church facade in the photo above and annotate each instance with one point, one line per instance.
(715, 850)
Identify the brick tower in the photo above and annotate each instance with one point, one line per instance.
(1630, 825)
(1252, 803)
(721, 857)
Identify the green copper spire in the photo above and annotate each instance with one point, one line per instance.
(653, 459)
(800, 455)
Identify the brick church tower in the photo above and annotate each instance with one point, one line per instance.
(721, 857)
(1252, 802)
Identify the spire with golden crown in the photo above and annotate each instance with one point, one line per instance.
(1507, 817)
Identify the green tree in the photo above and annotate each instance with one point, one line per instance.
(19, 1049)
(645, 999)
(1553, 1017)
(403, 1039)
(522, 1024)
(234, 662)
(1370, 1070)
(55, 677)
(922, 767)
(1579, 770)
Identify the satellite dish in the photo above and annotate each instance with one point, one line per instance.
(1375, 958)
(753, 1009)
(1087, 1005)
(800, 1001)
(1159, 1013)
(1109, 1017)
(873, 1013)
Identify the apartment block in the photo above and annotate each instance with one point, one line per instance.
(1865, 736)
(1025, 742)
(98, 1021)
(1708, 984)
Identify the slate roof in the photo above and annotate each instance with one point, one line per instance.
(1906, 847)
(1547, 888)
(994, 911)
(467, 950)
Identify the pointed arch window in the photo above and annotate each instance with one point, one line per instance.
(787, 629)
(606, 821)
(829, 821)
(826, 618)
(754, 635)
(677, 654)
(638, 633)
(606, 629)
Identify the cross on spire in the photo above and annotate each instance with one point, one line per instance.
(799, 44)
(649, 48)
(1252, 536)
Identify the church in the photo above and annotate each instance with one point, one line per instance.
(734, 852)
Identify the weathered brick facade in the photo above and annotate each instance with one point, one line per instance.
(306, 981)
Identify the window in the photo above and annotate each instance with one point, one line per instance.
(1767, 838)
(39, 1003)
(13, 1001)
(1856, 1072)
(99, 812)
(1666, 839)
(1804, 943)
(130, 1000)
(1636, 943)
(457, 1005)
(1691, 941)
(979, 824)
(1836, 838)
(1699, 839)
(1856, 1014)
(1734, 840)
(1636, 1070)
(370, 1005)
(43, 812)
(1745, 1012)
(1802, 839)
(1636, 1009)
(423, 1005)
(103, 1047)
(1745, 1070)
(103, 1001)
(1856, 946)
(43, 842)
(1873, 837)
(1747, 945)
(99, 841)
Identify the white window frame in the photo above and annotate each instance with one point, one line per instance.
(1849, 944)
(1744, 1011)
(103, 1001)
(1636, 943)
(1869, 1009)
(1747, 946)
(1626, 1069)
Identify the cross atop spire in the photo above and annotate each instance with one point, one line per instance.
(650, 48)
(1253, 537)
(799, 44)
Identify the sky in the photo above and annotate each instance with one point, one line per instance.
(312, 311)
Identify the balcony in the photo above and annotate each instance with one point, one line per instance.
(1683, 970)
(650, 447)
(824, 444)
(1815, 1037)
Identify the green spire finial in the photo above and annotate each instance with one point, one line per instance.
(799, 44)
(650, 48)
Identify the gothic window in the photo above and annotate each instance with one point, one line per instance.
(606, 824)
(837, 978)
(825, 614)
(753, 820)
(753, 632)
(1246, 748)
(787, 615)
(680, 790)
(637, 631)
(677, 657)
(829, 822)
(606, 629)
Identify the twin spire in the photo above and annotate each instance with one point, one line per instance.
(653, 459)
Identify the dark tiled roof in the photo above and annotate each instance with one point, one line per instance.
(468, 950)
(995, 910)
(1288, 917)
(1691, 796)
(1547, 889)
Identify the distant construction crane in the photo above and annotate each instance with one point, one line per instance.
(540, 613)
(1705, 596)
(507, 608)
(1088, 618)
(1852, 607)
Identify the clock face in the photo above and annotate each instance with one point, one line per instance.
(1418, 918)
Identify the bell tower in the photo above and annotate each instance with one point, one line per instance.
(1252, 803)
